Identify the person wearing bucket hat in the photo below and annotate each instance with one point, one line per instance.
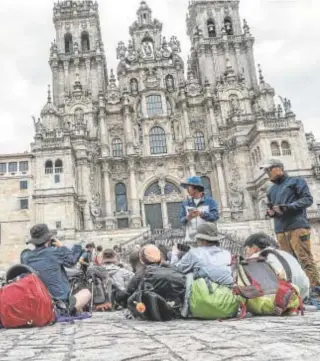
(208, 260)
(197, 208)
(119, 275)
(48, 259)
(289, 197)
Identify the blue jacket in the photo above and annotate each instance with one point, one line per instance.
(295, 194)
(49, 263)
(211, 216)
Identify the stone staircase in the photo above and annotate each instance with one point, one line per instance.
(108, 239)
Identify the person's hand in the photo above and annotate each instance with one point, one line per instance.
(196, 214)
(271, 213)
(278, 210)
(56, 243)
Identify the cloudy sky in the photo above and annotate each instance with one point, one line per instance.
(287, 45)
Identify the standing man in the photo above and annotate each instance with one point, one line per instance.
(197, 208)
(289, 197)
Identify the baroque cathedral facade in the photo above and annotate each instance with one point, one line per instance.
(111, 148)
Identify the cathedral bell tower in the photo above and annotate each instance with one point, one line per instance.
(77, 55)
(218, 41)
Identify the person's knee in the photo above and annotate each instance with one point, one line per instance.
(82, 297)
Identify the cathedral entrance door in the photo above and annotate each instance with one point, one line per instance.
(162, 202)
(174, 214)
(154, 216)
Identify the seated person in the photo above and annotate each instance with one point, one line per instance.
(48, 259)
(261, 241)
(208, 260)
(86, 257)
(119, 275)
(139, 260)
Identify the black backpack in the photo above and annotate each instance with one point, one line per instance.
(161, 290)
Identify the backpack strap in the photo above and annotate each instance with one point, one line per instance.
(281, 259)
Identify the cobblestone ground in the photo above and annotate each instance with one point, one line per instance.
(109, 337)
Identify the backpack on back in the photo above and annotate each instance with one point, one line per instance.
(26, 302)
(210, 301)
(265, 291)
(161, 291)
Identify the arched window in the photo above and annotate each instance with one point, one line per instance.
(117, 147)
(199, 142)
(58, 166)
(85, 42)
(154, 105)
(158, 143)
(256, 155)
(153, 190)
(275, 149)
(121, 197)
(285, 147)
(48, 167)
(171, 188)
(68, 44)
(207, 186)
(211, 29)
(228, 25)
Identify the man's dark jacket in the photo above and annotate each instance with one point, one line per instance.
(294, 193)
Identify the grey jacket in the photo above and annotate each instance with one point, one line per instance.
(120, 276)
(209, 262)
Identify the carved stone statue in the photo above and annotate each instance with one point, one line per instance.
(134, 86)
(234, 102)
(79, 116)
(147, 49)
(37, 125)
(170, 83)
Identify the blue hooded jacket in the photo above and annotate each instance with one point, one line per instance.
(294, 193)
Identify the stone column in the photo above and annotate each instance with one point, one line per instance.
(135, 217)
(110, 221)
(225, 210)
(84, 175)
(66, 76)
(128, 124)
(88, 70)
(192, 165)
(104, 136)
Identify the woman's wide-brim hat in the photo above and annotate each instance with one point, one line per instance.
(194, 182)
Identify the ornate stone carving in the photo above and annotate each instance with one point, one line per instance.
(170, 83)
(151, 79)
(147, 49)
(113, 91)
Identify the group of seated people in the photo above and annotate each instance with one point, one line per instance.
(205, 260)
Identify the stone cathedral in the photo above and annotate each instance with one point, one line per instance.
(112, 146)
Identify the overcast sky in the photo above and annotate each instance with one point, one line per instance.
(287, 46)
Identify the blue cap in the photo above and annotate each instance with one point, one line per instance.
(194, 182)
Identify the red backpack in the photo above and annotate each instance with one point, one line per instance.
(26, 302)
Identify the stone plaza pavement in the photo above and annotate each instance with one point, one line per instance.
(110, 337)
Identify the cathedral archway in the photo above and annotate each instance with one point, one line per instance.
(161, 205)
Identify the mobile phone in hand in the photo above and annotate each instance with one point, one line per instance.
(191, 210)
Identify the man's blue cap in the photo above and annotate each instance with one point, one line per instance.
(194, 182)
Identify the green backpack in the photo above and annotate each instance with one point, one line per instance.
(210, 301)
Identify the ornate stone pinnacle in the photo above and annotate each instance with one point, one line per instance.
(261, 78)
